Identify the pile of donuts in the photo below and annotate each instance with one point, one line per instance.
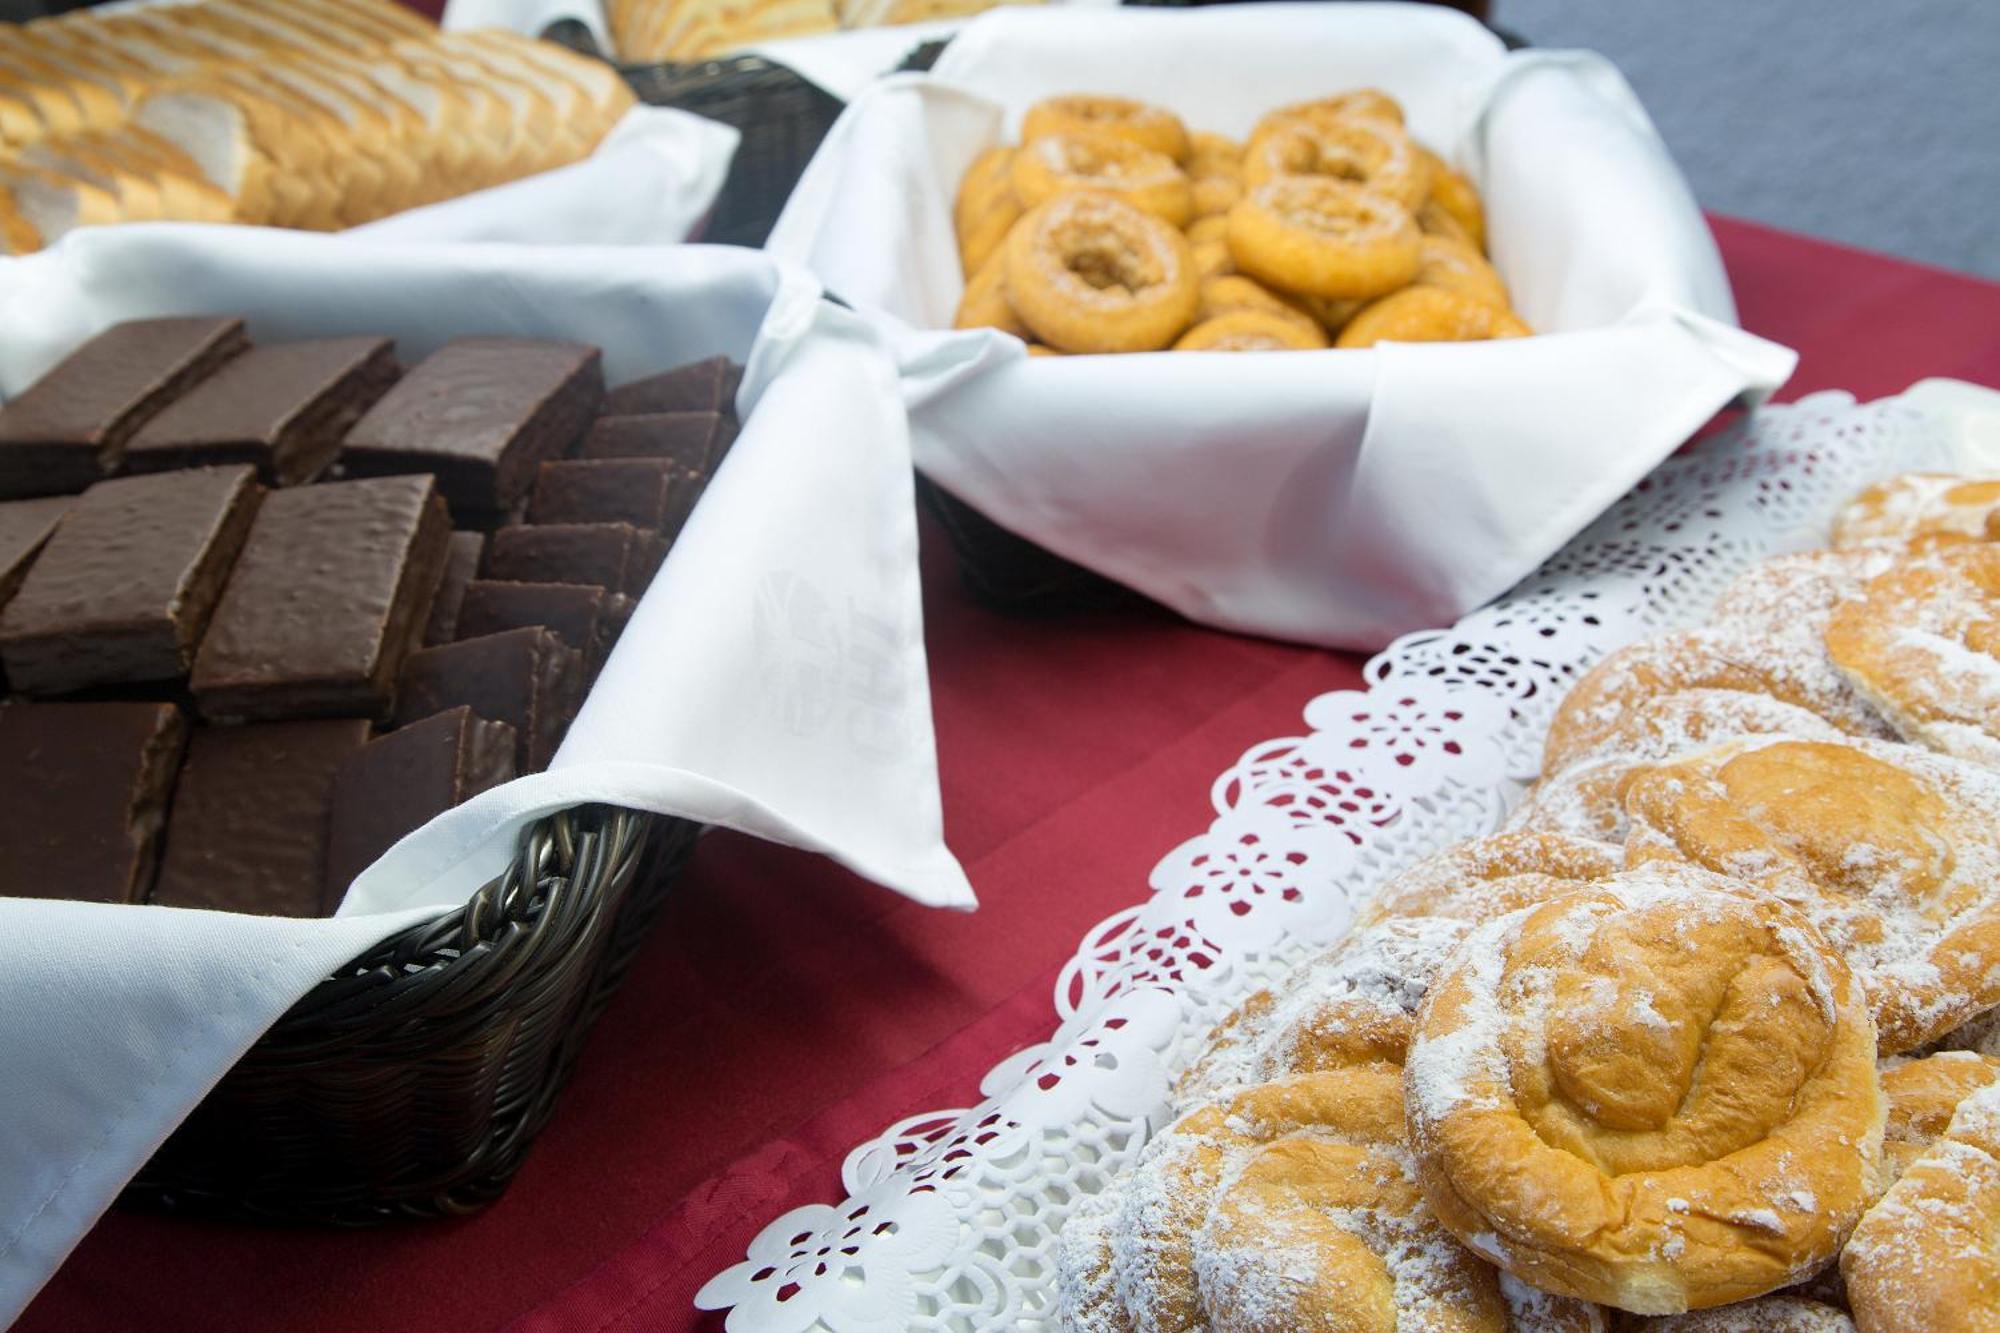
(1112, 228)
(1707, 1037)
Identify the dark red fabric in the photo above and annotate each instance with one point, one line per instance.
(783, 1011)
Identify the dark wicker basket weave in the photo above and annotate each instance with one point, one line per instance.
(410, 1083)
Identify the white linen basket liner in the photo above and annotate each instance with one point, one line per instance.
(1337, 497)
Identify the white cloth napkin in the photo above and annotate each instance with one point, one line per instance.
(652, 179)
(772, 679)
(1339, 497)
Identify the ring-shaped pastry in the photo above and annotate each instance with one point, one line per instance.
(1369, 153)
(1456, 195)
(1444, 262)
(1140, 123)
(1252, 331)
(1428, 315)
(1090, 273)
(1231, 292)
(1064, 163)
(984, 304)
(1360, 104)
(1214, 155)
(1324, 237)
(1213, 196)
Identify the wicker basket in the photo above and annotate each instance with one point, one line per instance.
(781, 116)
(411, 1083)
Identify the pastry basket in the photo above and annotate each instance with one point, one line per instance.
(781, 116)
(411, 1083)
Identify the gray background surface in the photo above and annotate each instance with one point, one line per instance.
(1862, 121)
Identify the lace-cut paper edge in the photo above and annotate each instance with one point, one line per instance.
(951, 1215)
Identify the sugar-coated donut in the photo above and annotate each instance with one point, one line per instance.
(1252, 331)
(1922, 644)
(1360, 104)
(1444, 262)
(1230, 292)
(1430, 314)
(1150, 127)
(984, 304)
(1919, 511)
(1323, 237)
(1459, 200)
(1064, 163)
(1923, 1260)
(1370, 153)
(1891, 851)
(981, 240)
(1433, 219)
(1212, 259)
(1208, 229)
(1212, 196)
(985, 208)
(1659, 1094)
(1214, 155)
(1090, 273)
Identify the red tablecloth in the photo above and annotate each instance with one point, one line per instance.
(783, 1011)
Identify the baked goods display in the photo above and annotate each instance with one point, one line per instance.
(290, 601)
(1113, 228)
(1703, 1039)
(702, 29)
(317, 114)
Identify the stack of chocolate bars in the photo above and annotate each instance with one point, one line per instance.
(266, 609)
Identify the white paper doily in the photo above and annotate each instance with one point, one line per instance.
(951, 1216)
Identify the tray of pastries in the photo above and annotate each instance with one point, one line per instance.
(1700, 1039)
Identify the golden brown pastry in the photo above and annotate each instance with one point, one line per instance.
(1925, 1259)
(1492, 876)
(1150, 127)
(1766, 1314)
(1918, 511)
(1585, 800)
(1891, 851)
(1090, 273)
(1355, 1005)
(1293, 1205)
(1791, 667)
(1923, 1096)
(1922, 644)
(1659, 1094)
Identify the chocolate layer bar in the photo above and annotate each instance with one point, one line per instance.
(481, 413)
(575, 612)
(125, 587)
(695, 440)
(83, 792)
(461, 567)
(24, 526)
(614, 556)
(69, 428)
(704, 386)
(649, 493)
(330, 593)
(527, 678)
(282, 407)
(249, 826)
(399, 782)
